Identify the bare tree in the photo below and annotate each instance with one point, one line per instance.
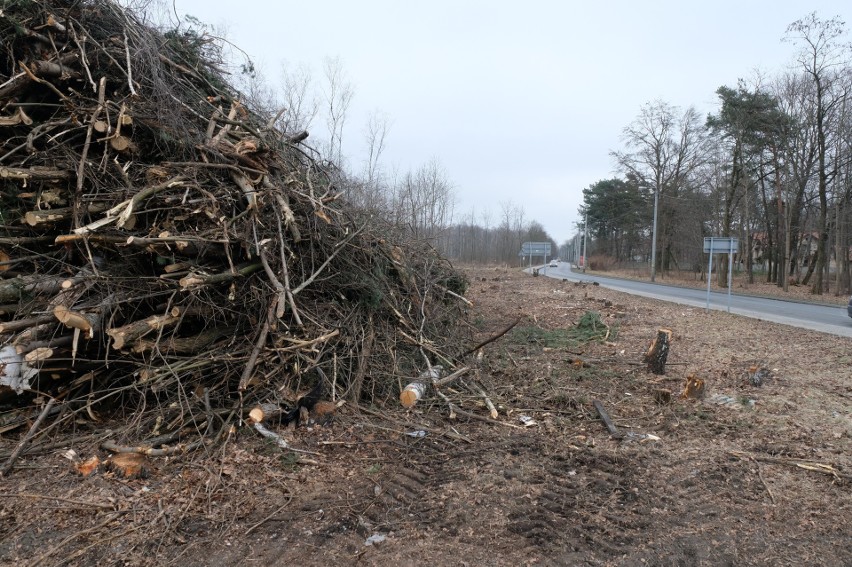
(511, 215)
(300, 103)
(487, 239)
(338, 93)
(663, 149)
(423, 201)
(375, 135)
(822, 57)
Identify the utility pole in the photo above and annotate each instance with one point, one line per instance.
(575, 254)
(585, 242)
(654, 235)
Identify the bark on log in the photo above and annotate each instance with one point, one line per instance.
(184, 345)
(120, 213)
(38, 173)
(194, 279)
(129, 333)
(418, 387)
(46, 216)
(87, 322)
(658, 352)
(20, 324)
(56, 342)
(15, 289)
(428, 379)
(189, 246)
(9, 309)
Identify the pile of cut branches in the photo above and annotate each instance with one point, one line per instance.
(164, 246)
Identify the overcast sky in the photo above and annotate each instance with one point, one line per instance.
(519, 101)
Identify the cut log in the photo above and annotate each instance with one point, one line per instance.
(38, 355)
(411, 393)
(87, 322)
(120, 143)
(195, 279)
(184, 345)
(101, 126)
(125, 335)
(658, 352)
(48, 216)
(419, 386)
(20, 324)
(39, 173)
(12, 290)
(55, 342)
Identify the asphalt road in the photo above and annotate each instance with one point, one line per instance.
(831, 319)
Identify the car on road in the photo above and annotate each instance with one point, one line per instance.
(849, 307)
(553, 264)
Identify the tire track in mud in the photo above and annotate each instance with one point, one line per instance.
(544, 496)
(398, 496)
(586, 502)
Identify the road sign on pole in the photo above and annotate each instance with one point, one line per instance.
(720, 245)
(535, 249)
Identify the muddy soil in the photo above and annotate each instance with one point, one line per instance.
(747, 475)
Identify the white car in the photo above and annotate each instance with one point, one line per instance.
(553, 264)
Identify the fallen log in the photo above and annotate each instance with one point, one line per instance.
(613, 430)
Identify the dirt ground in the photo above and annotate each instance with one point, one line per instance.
(747, 475)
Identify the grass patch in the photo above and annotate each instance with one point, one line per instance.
(589, 328)
(557, 338)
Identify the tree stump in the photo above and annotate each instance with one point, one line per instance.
(694, 388)
(658, 352)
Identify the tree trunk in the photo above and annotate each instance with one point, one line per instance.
(658, 352)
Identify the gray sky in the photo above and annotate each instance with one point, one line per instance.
(519, 101)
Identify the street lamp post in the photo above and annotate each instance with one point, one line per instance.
(654, 236)
(585, 242)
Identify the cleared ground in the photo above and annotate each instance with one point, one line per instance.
(748, 475)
